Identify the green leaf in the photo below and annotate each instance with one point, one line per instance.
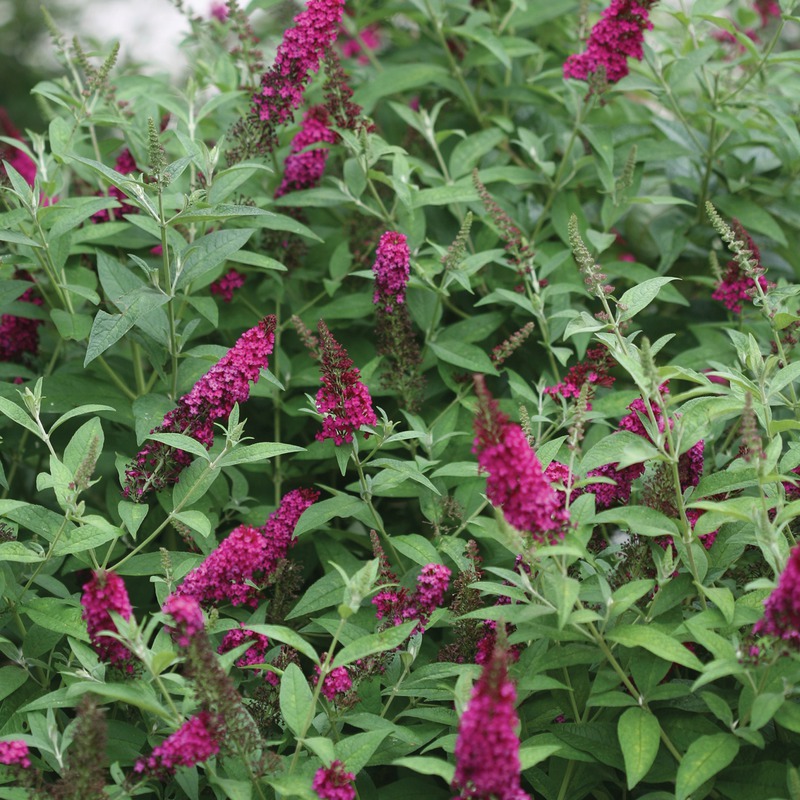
(484, 37)
(417, 548)
(462, 192)
(11, 678)
(469, 151)
(19, 553)
(18, 415)
(181, 441)
(622, 448)
(91, 408)
(69, 213)
(108, 329)
(296, 699)
(531, 754)
(343, 505)
(704, 758)
(250, 453)
(206, 253)
(324, 593)
(400, 78)
(196, 520)
(358, 748)
(427, 765)
(752, 216)
(54, 615)
(373, 643)
(280, 633)
(638, 732)
(194, 483)
(256, 260)
(641, 520)
(722, 598)
(656, 642)
(409, 469)
(466, 356)
(562, 592)
(135, 693)
(640, 296)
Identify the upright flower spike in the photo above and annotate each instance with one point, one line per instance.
(106, 592)
(618, 36)
(782, 608)
(15, 753)
(304, 167)
(487, 747)
(516, 482)
(391, 270)
(225, 286)
(736, 285)
(212, 398)
(298, 56)
(187, 616)
(228, 572)
(19, 336)
(343, 398)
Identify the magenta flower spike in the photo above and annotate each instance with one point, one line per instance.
(194, 742)
(343, 398)
(391, 270)
(334, 782)
(106, 592)
(515, 479)
(487, 747)
(782, 608)
(211, 399)
(618, 36)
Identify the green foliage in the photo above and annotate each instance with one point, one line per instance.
(563, 237)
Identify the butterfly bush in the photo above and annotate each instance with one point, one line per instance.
(193, 743)
(334, 782)
(782, 608)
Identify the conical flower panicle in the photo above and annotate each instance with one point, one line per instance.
(228, 571)
(515, 481)
(487, 747)
(106, 592)
(343, 398)
(782, 608)
(212, 398)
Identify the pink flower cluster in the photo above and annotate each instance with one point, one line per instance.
(487, 747)
(17, 158)
(14, 753)
(194, 742)
(334, 783)
(219, 12)
(367, 40)
(212, 398)
(303, 168)
(19, 336)
(391, 270)
(593, 370)
(336, 682)
(767, 9)
(187, 616)
(255, 654)
(618, 36)
(299, 54)
(343, 398)
(228, 284)
(734, 286)
(398, 606)
(106, 592)
(516, 482)
(782, 608)
(228, 571)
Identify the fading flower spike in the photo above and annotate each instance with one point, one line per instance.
(343, 398)
(188, 618)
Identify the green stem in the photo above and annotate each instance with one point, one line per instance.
(116, 380)
(323, 673)
(168, 288)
